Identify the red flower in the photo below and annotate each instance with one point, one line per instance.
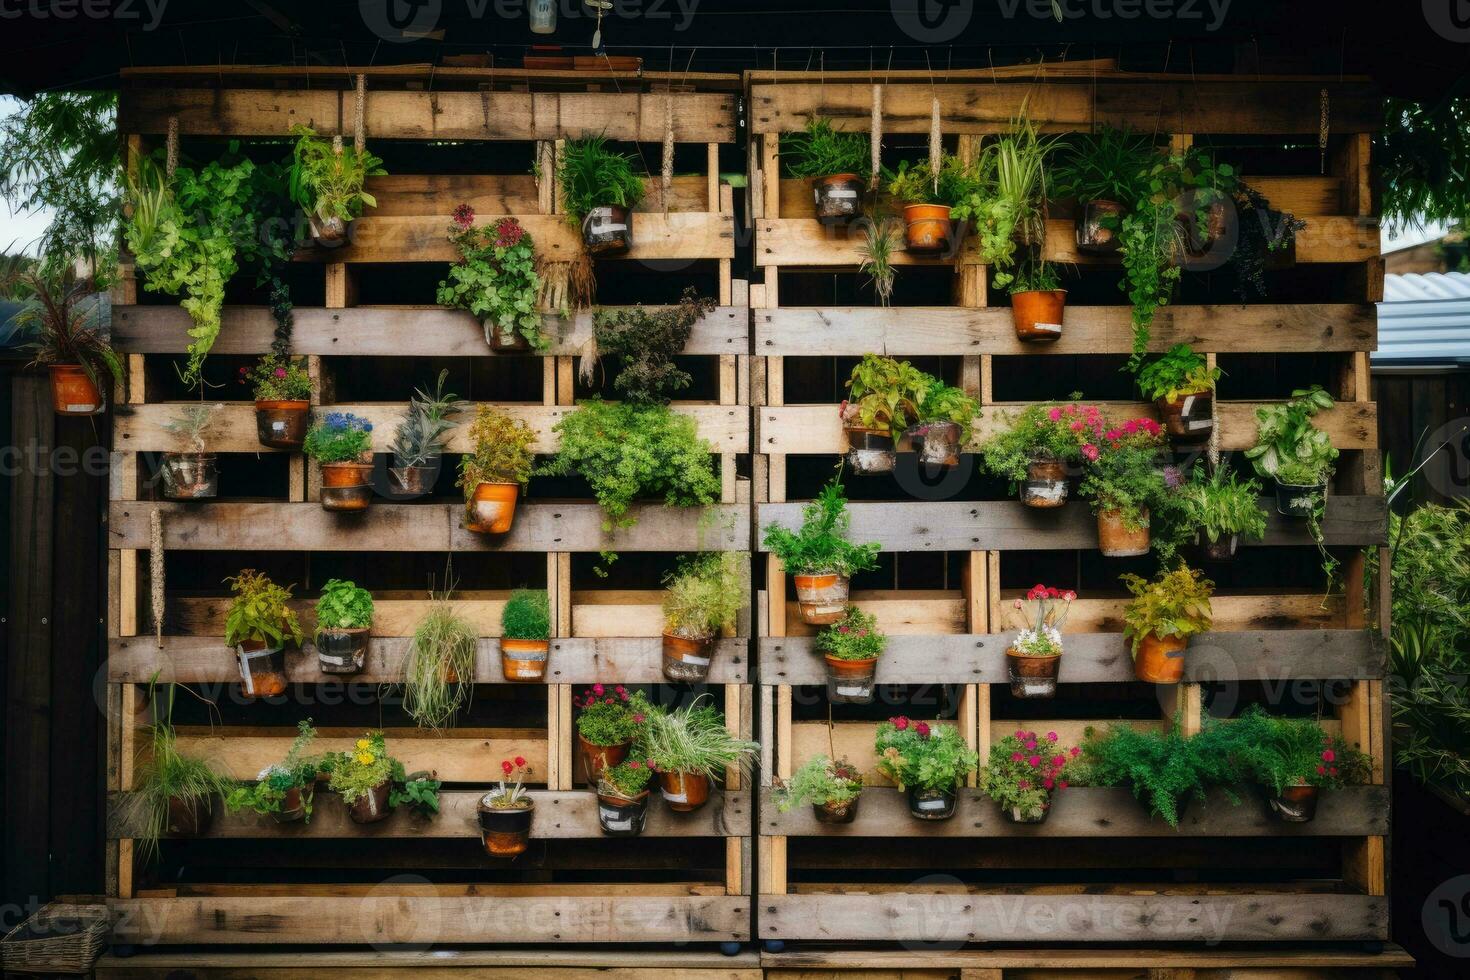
(901, 723)
(1321, 770)
(1051, 736)
(506, 767)
(638, 719)
(598, 689)
(464, 216)
(1016, 757)
(1034, 761)
(1048, 782)
(1332, 771)
(1023, 784)
(922, 728)
(1329, 756)
(1062, 784)
(1059, 761)
(634, 764)
(280, 372)
(520, 761)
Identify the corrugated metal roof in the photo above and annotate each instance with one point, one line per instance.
(1424, 319)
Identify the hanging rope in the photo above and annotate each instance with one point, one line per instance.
(1322, 129)
(171, 157)
(936, 145)
(359, 114)
(666, 177)
(875, 136)
(155, 571)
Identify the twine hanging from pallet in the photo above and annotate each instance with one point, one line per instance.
(171, 153)
(936, 145)
(155, 572)
(875, 136)
(666, 176)
(359, 116)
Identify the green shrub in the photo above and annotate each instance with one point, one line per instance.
(423, 432)
(610, 716)
(343, 606)
(820, 545)
(627, 779)
(853, 637)
(1176, 373)
(1161, 766)
(278, 379)
(820, 781)
(260, 611)
(647, 342)
(694, 740)
(1126, 476)
(297, 771)
(495, 278)
(1283, 752)
(326, 182)
(502, 451)
(526, 616)
(705, 595)
(1047, 431)
(340, 437)
(883, 394)
(1104, 166)
(1176, 604)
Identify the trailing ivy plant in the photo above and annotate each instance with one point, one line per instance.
(647, 341)
(1263, 230)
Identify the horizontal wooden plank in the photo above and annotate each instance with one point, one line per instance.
(1139, 916)
(380, 331)
(1096, 658)
(388, 918)
(908, 331)
(804, 242)
(900, 612)
(139, 428)
(816, 429)
(1242, 613)
(1085, 811)
(608, 660)
(437, 195)
(993, 525)
(1247, 961)
(424, 527)
(1327, 238)
(421, 115)
(558, 816)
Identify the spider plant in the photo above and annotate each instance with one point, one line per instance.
(695, 740)
(439, 676)
(63, 336)
(881, 239)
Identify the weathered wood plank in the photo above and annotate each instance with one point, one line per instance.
(907, 331)
(380, 331)
(437, 195)
(459, 963)
(1327, 238)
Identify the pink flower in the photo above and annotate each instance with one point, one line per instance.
(1055, 414)
(280, 372)
(1034, 761)
(1069, 596)
(1329, 756)
(901, 723)
(635, 764)
(1077, 426)
(1023, 784)
(1075, 751)
(1016, 757)
(1071, 409)
(1112, 434)
(1059, 761)
(843, 629)
(1051, 736)
(1062, 784)
(598, 690)
(1089, 452)
(1020, 734)
(638, 719)
(1048, 782)
(922, 728)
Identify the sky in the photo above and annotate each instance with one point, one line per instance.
(21, 229)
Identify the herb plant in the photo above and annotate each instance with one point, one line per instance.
(918, 756)
(495, 278)
(705, 595)
(958, 185)
(191, 422)
(422, 434)
(64, 334)
(1176, 373)
(593, 176)
(1014, 207)
(1125, 477)
(1162, 767)
(647, 342)
(1066, 433)
(820, 781)
(883, 394)
(526, 616)
(439, 675)
(418, 791)
(945, 403)
(502, 451)
(327, 182)
(853, 637)
(610, 716)
(1176, 604)
(821, 151)
(881, 240)
(260, 611)
(695, 740)
(297, 771)
(1024, 770)
(1220, 505)
(820, 545)
(278, 379)
(1102, 166)
(340, 437)
(343, 606)
(367, 765)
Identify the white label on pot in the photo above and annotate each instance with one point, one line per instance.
(852, 692)
(527, 672)
(935, 804)
(607, 227)
(1048, 327)
(1037, 688)
(846, 193)
(1047, 491)
(696, 661)
(1193, 424)
(617, 824)
(83, 407)
(675, 797)
(1188, 404)
(329, 659)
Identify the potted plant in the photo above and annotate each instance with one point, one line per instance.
(932, 204)
(344, 621)
(525, 635)
(833, 789)
(1023, 772)
(882, 399)
(833, 162)
(327, 180)
(1124, 482)
(702, 601)
(1164, 768)
(257, 626)
(622, 798)
(1041, 442)
(1160, 619)
(1266, 240)
(1035, 655)
(190, 475)
(819, 558)
(881, 239)
(495, 279)
(608, 720)
(506, 812)
(78, 358)
(282, 390)
(492, 476)
(689, 747)
(1181, 384)
(1101, 172)
(1221, 508)
(1205, 186)
(439, 673)
(283, 791)
(1295, 453)
(946, 420)
(1037, 301)
(851, 647)
(928, 762)
(419, 441)
(645, 342)
(342, 445)
(373, 784)
(599, 189)
(1291, 759)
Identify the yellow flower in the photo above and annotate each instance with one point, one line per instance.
(366, 758)
(362, 743)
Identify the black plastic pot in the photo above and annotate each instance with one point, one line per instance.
(622, 817)
(608, 230)
(1297, 500)
(931, 804)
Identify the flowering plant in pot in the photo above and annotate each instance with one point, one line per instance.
(622, 798)
(1041, 442)
(1161, 618)
(1124, 482)
(373, 784)
(851, 647)
(689, 747)
(703, 598)
(1022, 773)
(327, 180)
(1221, 508)
(257, 625)
(79, 359)
(1291, 759)
(608, 720)
(929, 762)
(342, 445)
(419, 441)
(934, 203)
(344, 622)
(1181, 384)
(1037, 301)
(833, 161)
(283, 791)
(506, 812)
(600, 189)
(282, 389)
(882, 399)
(945, 423)
(495, 279)
(819, 558)
(492, 476)
(439, 674)
(190, 475)
(1101, 172)
(1035, 655)
(1300, 458)
(832, 788)
(1164, 768)
(525, 635)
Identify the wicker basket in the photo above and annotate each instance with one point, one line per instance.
(63, 937)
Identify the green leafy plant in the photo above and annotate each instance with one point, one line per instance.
(495, 278)
(881, 240)
(883, 394)
(705, 595)
(958, 186)
(1176, 373)
(1163, 767)
(1024, 770)
(1220, 505)
(1102, 166)
(260, 611)
(1420, 160)
(418, 791)
(945, 403)
(1289, 448)
(821, 151)
(821, 781)
(191, 422)
(278, 378)
(328, 182)
(1067, 433)
(694, 739)
(526, 616)
(502, 451)
(368, 765)
(611, 716)
(1012, 207)
(1175, 604)
(343, 606)
(297, 771)
(1125, 476)
(593, 176)
(423, 433)
(853, 637)
(628, 779)
(338, 437)
(439, 674)
(1035, 275)
(820, 545)
(647, 342)
(56, 308)
(1282, 752)
(918, 756)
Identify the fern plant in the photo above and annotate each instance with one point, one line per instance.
(1163, 767)
(592, 176)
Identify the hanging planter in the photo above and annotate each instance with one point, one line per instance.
(608, 230)
(285, 790)
(870, 451)
(262, 668)
(78, 359)
(937, 443)
(1045, 485)
(622, 799)
(1035, 655)
(282, 423)
(931, 804)
(1161, 617)
(257, 625)
(1160, 660)
(684, 792)
(1299, 500)
(596, 758)
(832, 788)
(523, 660)
(608, 718)
(1116, 539)
(1188, 418)
(1181, 385)
(506, 813)
(832, 161)
(73, 393)
(821, 585)
(346, 487)
(342, 444)
(525, 636)
(190, 476)
(929, 762)
(688, 747)
(503, 338)
(1039, 445)
(372, 804)
(1294, 804)
(1037, 302)
(1124, 479)
(419, 441)
(704, 599)
(927, 228)
(944, 424)
(491, 508)
(342, 651)
(493, 475)
(1219, 550)
(600, 189)
(838, 198)
(344, 621)
(295, 804)
(364, 777)
(821, 597)
(1098, 222)
(686, 659)
(326, 180)
(1023, 773)
(1223, 509)
(851, 648)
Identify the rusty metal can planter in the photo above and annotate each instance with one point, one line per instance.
(72, 392)
(1160, 660)
(372, 806)
(621, 816)
(1116, 540)
(838, 198)
(1045, 485)
(412, 481)
(938, 443)
(1297, 499)
(1188, 418)
(595, 758)
(1294, 804)
(1032, 676)
(282, 424)
(506, 340)
(850, 681)
(830, 812)
(1037, 314)
(870, 451)
(822, 597)
(927, 228)
(293, 806)
(686, 658)
(189, 476)
(684, 792)
(188, 818)
(342, 651)
(346, 487)
(524, 660)
(492, 508)
(262, 668)
(505, 831)
(608, 230)
(931, 804)
(1097, 226)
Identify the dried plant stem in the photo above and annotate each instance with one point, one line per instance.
(155, 572)
(171, 157)
(359, 113)
(667, 176)
(875, 136)
(936, 142)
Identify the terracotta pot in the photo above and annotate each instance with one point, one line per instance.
(1037, 314)
(1116, 540)
(1188, 418)
(189, 476)
(342, 651)
(608, 230)
(524, 660)
(262, 668)
(927, 228)
(822, 597)
(1160, 660)
(837, 812)
(412, 481)
(1032, 676)
(620, 816)
(1092, 235)
(282, 424)
(506, 831)
(938, 443)
(1218, 551)
(838, 197)
(1045, 485)
(684, 792)
(346, 487)
(328, 232)
(596, 758)
(492, 508)
(931, 804)
(1015, 814)
(1296, 804)
(506, 340)
(189, 820)
(72, 392)
(850, 681)
(870, 451)
(686, 659)
(371, 806)
(1298, 500)
(293, 807)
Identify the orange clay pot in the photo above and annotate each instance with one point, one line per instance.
(346, 486)
(684, 792)
(822, 598)
(492, 509)
(1160, 660)
(1037, 314)
(72, 392)
(926, 227)
(524, 660)
(1116, 540)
